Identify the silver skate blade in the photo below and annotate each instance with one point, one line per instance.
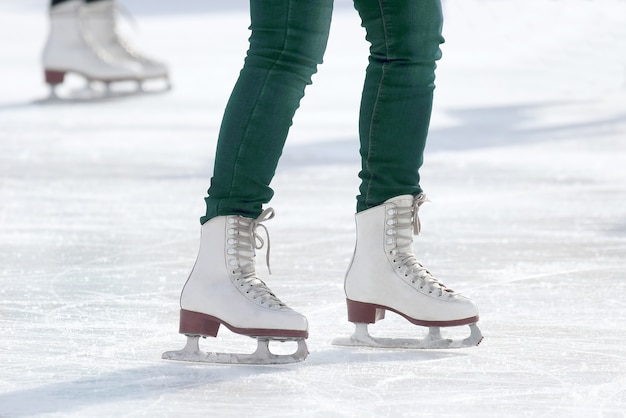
(53, 93)
(262, 355)
(362, 338)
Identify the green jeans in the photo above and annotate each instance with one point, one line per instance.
(287, 43)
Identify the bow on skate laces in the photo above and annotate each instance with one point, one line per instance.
(418, 201)
(257, 241)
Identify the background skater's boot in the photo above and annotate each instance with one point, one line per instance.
(223, 289)
(71, 49)
(385, 276)
(101, 19)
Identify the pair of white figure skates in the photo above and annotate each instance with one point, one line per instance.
(84, 40)
(223, 289)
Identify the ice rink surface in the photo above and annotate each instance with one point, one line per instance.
(526, 170)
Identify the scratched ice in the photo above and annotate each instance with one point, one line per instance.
(526, 170)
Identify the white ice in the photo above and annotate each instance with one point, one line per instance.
(526, 170)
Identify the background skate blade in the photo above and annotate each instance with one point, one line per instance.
(262, 355)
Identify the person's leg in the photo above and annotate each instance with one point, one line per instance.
(69, 48)
(384, 274)
(397, 95)
(288, 41)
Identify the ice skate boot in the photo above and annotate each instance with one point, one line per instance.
(71, 49)
(223, 289)
(101, 19)
(385, 276)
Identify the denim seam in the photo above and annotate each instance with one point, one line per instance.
(245, 133)
(375, 107)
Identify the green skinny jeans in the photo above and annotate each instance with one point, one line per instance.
(287, 43)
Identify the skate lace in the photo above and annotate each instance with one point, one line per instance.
(243, 242)
(402, 224)
(125, 13)
(89, 39)
(109, 12)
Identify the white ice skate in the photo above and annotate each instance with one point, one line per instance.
(223, 289)
(71, 48)
(385, 276)
(101, 19)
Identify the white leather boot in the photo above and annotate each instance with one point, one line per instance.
(70, 49)
(101, 19)
(385, 275)
(223, 289)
